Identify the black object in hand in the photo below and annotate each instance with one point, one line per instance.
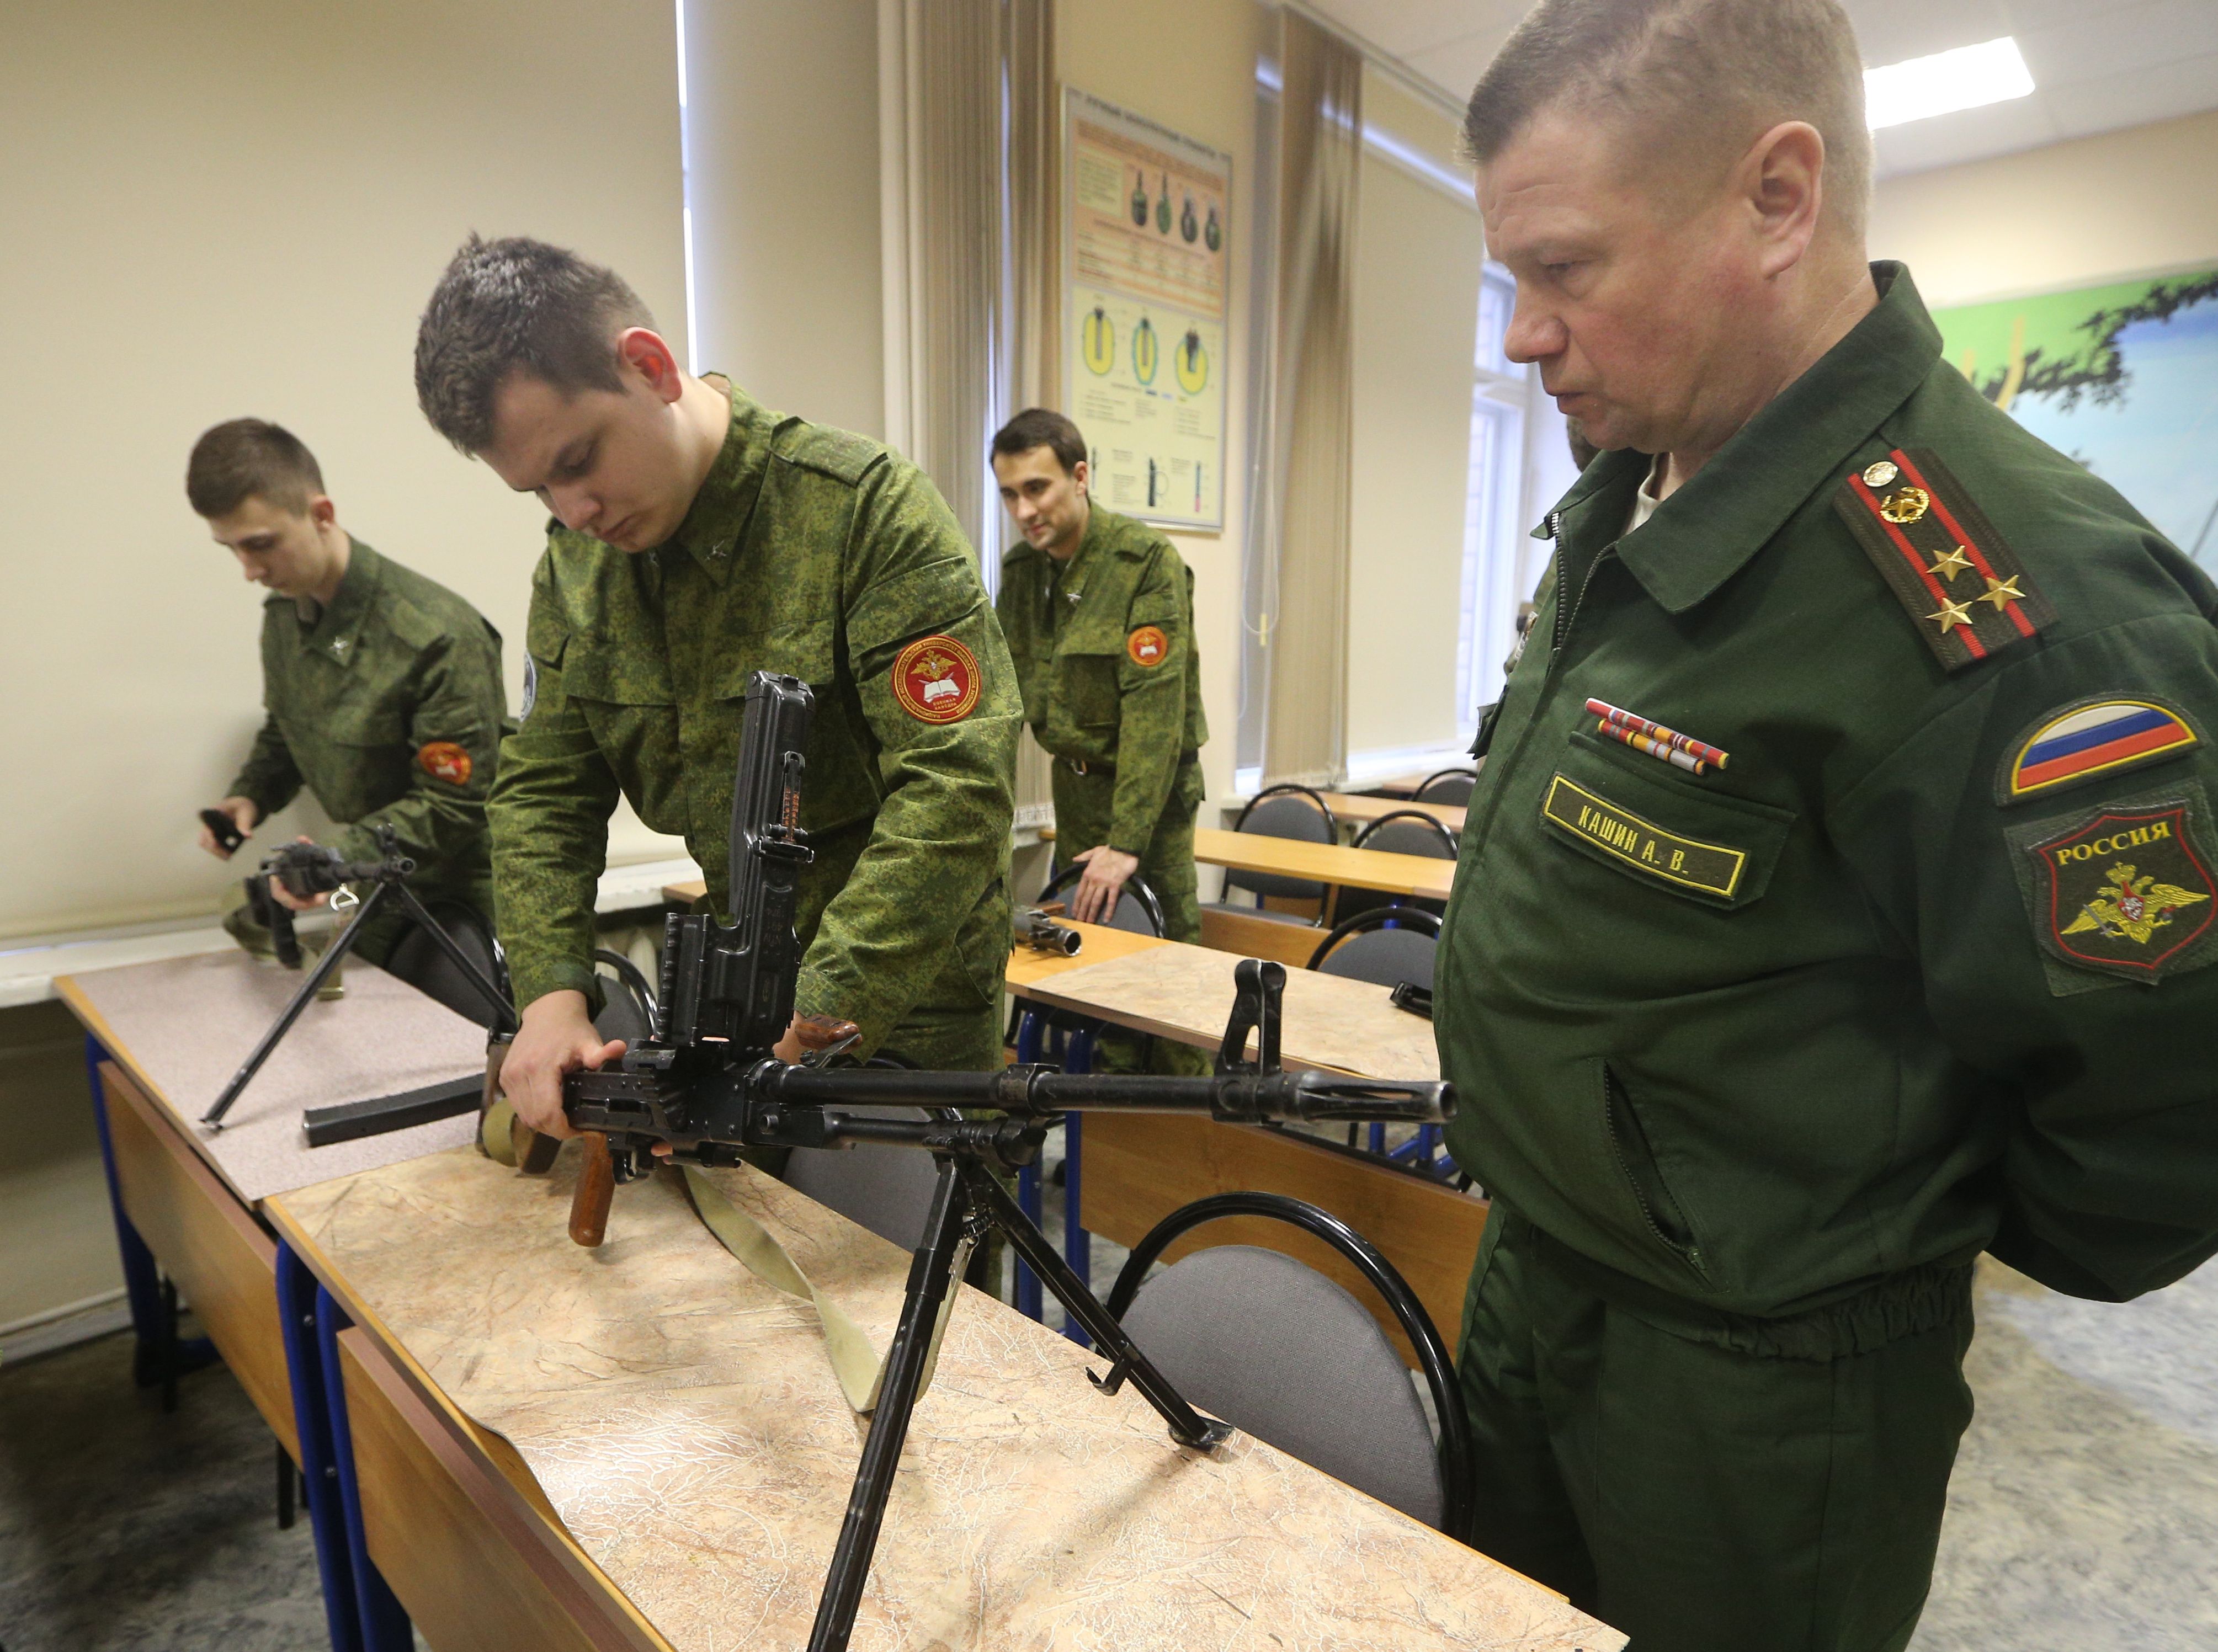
(228, 837)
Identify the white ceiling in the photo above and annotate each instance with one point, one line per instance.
(2097, 64)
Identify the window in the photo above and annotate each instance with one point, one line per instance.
(1495, 504)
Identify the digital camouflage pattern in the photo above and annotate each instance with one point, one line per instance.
(818, 553)
(1105, 651)
(358, 693)
(1756, 1060)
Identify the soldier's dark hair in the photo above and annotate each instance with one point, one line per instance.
(1720, 72)
(251, 458)
(1043, 427)
(517, 305)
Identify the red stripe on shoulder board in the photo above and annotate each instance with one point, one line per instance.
(1962, 634)
(1986, 569)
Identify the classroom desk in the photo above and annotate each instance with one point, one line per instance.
(684, 892)
(690, 1453)
(1418, 876)
(1136, 1169)
(162, 1037)
(1356, 809)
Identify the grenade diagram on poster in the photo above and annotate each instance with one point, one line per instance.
(1147, 244)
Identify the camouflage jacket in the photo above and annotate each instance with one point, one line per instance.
(807, 551)
(1105, 651)
(388, 705)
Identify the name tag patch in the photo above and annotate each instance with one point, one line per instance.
(1640, 845)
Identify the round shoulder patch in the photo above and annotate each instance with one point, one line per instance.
(936, 680)
(444, 760)
(1148, 646)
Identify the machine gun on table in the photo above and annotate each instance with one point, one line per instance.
(708, 1084)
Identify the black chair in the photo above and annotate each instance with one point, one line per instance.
(417, 959)
(1365, 948)
(627, 1001)
(1410, 831)
(1448, 786)
(886, 1189)
(1274, 1347)
(1139, 910)
(1286, 811)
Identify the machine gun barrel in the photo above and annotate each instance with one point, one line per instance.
(1046, 1092)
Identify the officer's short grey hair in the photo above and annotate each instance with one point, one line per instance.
(517, 305)
(1724, 71)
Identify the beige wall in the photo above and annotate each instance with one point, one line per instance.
(234, 207)
(2125, 203)
(1418, 253)
(782, 129)
(1191, 64)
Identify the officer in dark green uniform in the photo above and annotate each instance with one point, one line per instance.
(383, 688)
(1099, 612)
(699, 539)
(1838, 898)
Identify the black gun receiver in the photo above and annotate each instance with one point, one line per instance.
(306, 870)
(710, 1082)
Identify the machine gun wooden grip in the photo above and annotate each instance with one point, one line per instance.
(597, 1185)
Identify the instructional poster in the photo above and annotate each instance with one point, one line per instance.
(1149, 236)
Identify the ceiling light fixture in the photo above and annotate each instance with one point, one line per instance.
(1968, 78)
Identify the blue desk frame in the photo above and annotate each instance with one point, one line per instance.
(359, 1609)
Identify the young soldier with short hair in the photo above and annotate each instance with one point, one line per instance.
(1837, 901)
(383, 688)
(1099, 612)
(698, 538)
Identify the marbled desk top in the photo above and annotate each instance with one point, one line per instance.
(682, 1420)
(1186, 992)
(181, 1027)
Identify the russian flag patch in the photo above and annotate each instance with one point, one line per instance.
(2089, 740)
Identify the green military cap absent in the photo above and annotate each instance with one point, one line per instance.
(388, 707)
(820, 554)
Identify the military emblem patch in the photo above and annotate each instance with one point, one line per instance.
(444, 760)
(2088, 740)
(1148, 646)
(936, 680)
(1943, 559)
(2127, 893)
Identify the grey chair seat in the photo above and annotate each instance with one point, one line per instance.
(1274, 1347)
(1387, 956)
(886, 1189)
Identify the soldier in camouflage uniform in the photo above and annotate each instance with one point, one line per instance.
(383, 688)
(699, 539)
(1099, 612)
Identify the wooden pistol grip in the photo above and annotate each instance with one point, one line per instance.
(597, 1185)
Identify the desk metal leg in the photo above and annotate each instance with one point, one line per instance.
(296, 1318)
(1077, 1243)
(1031, 1036)
(157, 1357)
(385, 1626)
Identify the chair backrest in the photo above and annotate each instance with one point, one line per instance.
(627, 1001)
(1138, 908)
(1387, 945)
(1408, 832)
(417, 959)
(886, 1189)
(1288, 811)
(1271, 1345)
(1448, 786)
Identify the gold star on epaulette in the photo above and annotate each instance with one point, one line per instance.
(1952, 614)
(2001, 593)
(1951, 564)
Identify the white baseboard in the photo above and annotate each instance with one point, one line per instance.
(64, 1327)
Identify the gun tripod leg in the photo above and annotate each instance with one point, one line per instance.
(930, 1278)
(1187, 1425)
(340, 945)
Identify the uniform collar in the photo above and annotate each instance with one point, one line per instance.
(1071, 576)
(719, 513)
(336, 633)
(1707, 530)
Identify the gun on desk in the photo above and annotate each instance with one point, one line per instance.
(709, 1083)
(306, 870)
(1035, 927)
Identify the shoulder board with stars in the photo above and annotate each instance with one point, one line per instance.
(1942, 557)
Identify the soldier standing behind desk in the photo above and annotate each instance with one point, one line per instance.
(698, 538)
(383, 688)
(1099, 612)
